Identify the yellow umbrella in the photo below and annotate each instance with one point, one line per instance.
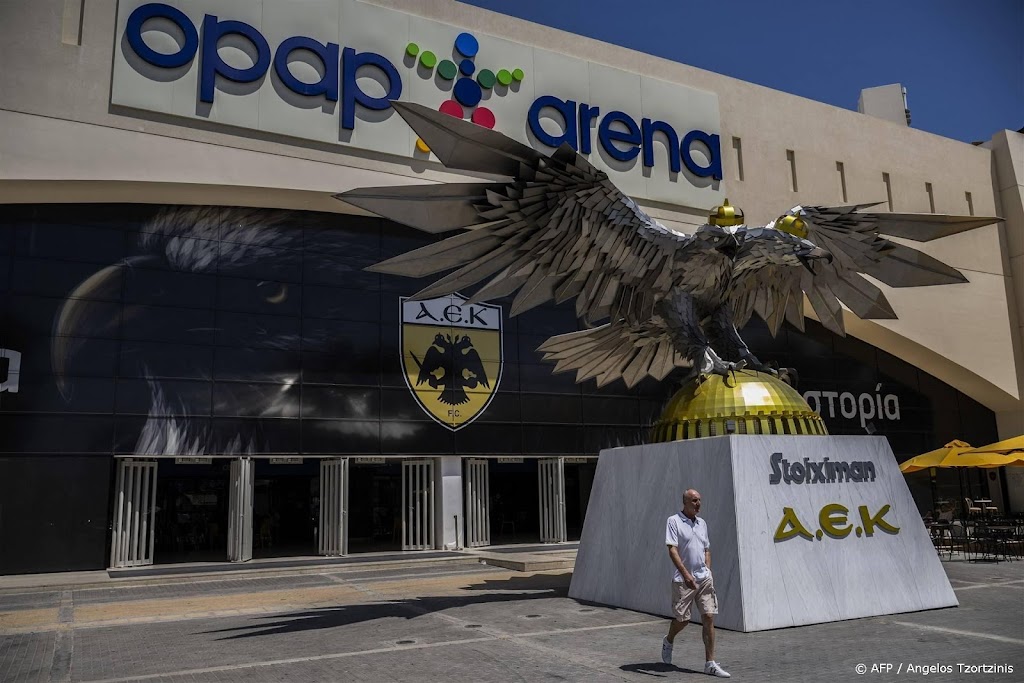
(935, 458)
(981, 459)
(1008, 447)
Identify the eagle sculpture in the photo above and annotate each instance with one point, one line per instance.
(560, 230)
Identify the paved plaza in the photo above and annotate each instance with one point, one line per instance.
(459, 620)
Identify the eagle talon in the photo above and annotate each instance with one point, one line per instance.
(753, 363)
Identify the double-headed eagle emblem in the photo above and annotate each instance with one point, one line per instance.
(560, 230)
(452, 365)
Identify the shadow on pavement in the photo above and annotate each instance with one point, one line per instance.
(657, 669)
(540, 586)
(551, 582)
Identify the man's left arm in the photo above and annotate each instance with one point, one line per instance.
(707, 549)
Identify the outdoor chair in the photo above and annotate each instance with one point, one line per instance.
(1000, 540)
(970, 507)
(986, 545)
(958, 537)
(942, 537)
(1016, 542)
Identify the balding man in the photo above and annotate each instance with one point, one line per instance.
(686, 536)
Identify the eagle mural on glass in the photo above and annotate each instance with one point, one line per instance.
(560, 230)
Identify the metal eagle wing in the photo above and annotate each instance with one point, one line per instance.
(560, 229)
(858, 245)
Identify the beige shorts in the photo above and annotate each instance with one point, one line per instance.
(683, 596)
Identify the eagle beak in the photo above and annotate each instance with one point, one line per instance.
(818, 253)
(84, 314)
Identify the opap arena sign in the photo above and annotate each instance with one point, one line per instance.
(328, 70)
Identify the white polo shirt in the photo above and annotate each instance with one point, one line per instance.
(691, 537)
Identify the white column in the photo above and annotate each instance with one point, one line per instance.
(448, 484)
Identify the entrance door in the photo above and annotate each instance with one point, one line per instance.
(418, 505)
(240, 510)
(551, 481)
(134, 510)
(334, 507)
(478, 504)
(579, 481)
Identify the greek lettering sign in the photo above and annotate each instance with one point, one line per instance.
(451, 356)
(864, 406)
(832, 522)
(832, 516)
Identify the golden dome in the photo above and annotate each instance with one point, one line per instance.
(726, 215)
(756, 403)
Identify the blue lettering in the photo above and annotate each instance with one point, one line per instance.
(567, 108)
(211, 64)
(714, 167)
(587, 116)
(623, 142)
(328, 54)
(156, 10)
(353, 94)
(623, 145)
(672, 140)
(631, 136)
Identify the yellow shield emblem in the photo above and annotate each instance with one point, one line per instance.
(451, 356)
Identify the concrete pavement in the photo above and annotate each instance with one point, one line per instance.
(459, 621)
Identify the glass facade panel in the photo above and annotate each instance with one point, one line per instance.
(147, 330)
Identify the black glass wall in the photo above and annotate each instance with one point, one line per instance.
(213, 330)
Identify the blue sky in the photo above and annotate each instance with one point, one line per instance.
(962, 61)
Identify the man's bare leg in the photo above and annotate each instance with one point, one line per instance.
(708, 632)
(675, 626)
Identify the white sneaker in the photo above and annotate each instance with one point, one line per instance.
(714, 669)
(666, 651)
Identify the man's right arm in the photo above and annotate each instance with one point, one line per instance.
(673, 552)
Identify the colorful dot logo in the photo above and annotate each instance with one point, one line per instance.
(469, 83)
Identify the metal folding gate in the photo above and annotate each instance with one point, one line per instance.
(334, 507)
(418, 505)
(240, 511)
(477, 503)
(551, 480)
(134, 530)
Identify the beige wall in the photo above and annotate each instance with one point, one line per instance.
(60, 140)
(1008, 150)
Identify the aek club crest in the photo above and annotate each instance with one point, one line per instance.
(451, 356)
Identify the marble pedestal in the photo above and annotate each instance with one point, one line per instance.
(861, 558)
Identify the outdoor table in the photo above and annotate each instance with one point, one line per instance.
(1001, 534)
(990, 541)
